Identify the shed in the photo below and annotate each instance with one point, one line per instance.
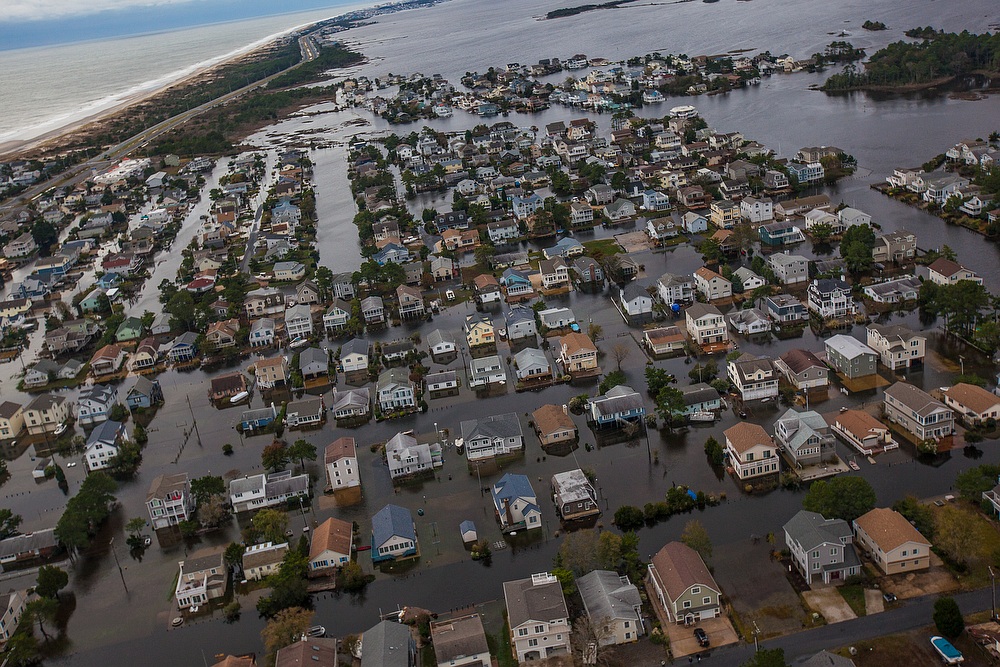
(468, 530)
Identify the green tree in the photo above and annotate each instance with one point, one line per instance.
(956, 535)
(324, 281)
(844, 498)
(233, 555)
(274, 457)
(696, 537)
(41, 611)
(85, 511)
(948, 617)
(21, 650)
(45, 235)
(302, 449)
(610, 381)
(716, 453)
(768, 657)
(203, 488)
(628, 518)
(657, 379)
(821, 232)
(972, 483)
(609, 550)
(669, 403)
(856, 248)
(284, 628)
(50, 581)
(181, 307)
(270, 525)
(920, 515)
(9, 523)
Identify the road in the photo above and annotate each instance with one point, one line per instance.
(310, 51)
(909, 615)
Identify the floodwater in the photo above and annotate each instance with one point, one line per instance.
(781, 113)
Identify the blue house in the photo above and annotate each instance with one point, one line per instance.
(516, 282)
(566, 247)
(785, 308)
(32, 287)
(780, 233)
(93, 301)
(109, 280)
(392, 252)
(525, 206)
(515, 503)
(183, 348)
(252, 420)
(143, 393)
(621, 404)
(701, 397)
(56, 265)
(394, 535)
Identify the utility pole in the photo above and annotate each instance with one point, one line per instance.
(756, 632)
(121, 573)
(993, 586)
(194, 421)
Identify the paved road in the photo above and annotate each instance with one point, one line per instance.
(909, 615)
(73, 175)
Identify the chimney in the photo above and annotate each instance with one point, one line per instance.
(566, 412)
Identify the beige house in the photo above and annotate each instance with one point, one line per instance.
(107, 360)
(664, 340)
(46, 413)
(682, 586)
(891, 541)
(553, 425)
(705, 324)
(897, 346)
(711, 285)
(331, 546)
(863, 432)
(577, 353)
(479, 330)
(203, 577)
(752, 452)
(460, 642)
(11, 607)
(973, 404)
(271, 372)
(223, 334)
(11, 420)
(262, 560)
(538, 617)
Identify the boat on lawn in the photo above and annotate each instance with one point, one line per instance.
(948, 653)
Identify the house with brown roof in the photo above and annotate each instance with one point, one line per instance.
(711, 285)
(262, 560)
(145, 357)
(223, 334)
(682, 587)
(946, 272)
(227, 386)
(752, 452)
(863, 432)
(460, 642)
(331, 546)
(341, 464)
(308, 652)
(577, 353)
(891, 541)
(487, 288)
(271, 372)
(664, 340)
(803, 369)
(553, 425)
(107, 360)
(973, 404)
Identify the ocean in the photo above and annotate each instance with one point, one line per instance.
(47, 87)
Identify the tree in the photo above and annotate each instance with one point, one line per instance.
(920, 515)
(594, 331)
(973, 482)
(233, 555)
(203, 488)
(844, 498)
(704, 373)
(8, 523)
(956, 535)
(578, 552)
(610, 381)
(181, 307)
(85, 511)
(274, 457)
(302, 449)
(716, 453)
(609, 550)
(284, 628)
(696, 537)
(21, 650)
(135, 526)
(821, 231)
(270, 525)
(351, 578)
(768, 657)
(669, 402)
(628, 517)
(213, 512)
(620, 352)
(856, 248)
(50, 581)
(484, 254)
(948, 617)
(45, 235)
(324, 281)
(657, 379)
(41, 611)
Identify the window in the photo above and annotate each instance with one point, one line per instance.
(904, 552)
(687, 604)
(696, 590)
(706, 600)
(539, 629)
(532, 642)
(521, 632)
(815, 566)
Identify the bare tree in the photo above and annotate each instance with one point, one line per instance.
(589, 635)
(620, 352)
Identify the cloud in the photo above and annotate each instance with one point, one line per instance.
(34, 10)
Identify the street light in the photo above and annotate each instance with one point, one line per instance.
(961, 360)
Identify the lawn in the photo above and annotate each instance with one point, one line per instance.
(854, 595)
(604, 246)
(979, 540)
(912, 648)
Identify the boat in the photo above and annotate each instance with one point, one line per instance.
(62, 429)
(316, 631)
(243, 395)
(854, 465)
(950, 654)
(298, 342)
(701, 417)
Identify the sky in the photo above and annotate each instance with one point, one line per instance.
(33, 10)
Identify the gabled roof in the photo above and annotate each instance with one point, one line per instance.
(458, 638)
(800, 360)
(388, 644)
(970, 396)
(889, 529)
(679, 567)
(392, 521)
(746, 435)
(355, 346)
(698, 310)
(608, 596)
(332, 535)
(493, 426)
(550, 418)
(340, 448)
(536, 598)
(512, 486)
(812, 530)
(914, 398)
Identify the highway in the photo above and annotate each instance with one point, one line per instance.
(310, 51)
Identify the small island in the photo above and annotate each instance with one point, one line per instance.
(874, 25)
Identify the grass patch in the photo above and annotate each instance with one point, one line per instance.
(981, 541)
(676, 240)
(604, 246)
(854, 595)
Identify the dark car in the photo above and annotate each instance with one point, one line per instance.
(888, 597)
(700, 635)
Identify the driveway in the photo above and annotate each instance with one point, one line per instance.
(682, 642)
(874, 604)
(830, 603)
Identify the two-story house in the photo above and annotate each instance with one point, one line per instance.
(705, 324)
(850, 356)
(804, 437)
(613, 603)
(675, 289)
(203, 576)
(897, 345)
(577, 353)
(755, 378)
(682, 587)
(479, 331)
(394, 391)
(892, 542)
(821, 548)
(973, 404)
(169, 500)
(752, 453)
(830, 298)
(789, 269)
(538, 617)
(803, 370)
(915, 410)
(492, 436)
(515, 503)
(711, 285)
(574, 496)
(946, 272)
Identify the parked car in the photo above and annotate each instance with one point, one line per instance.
(888, 597)
(701, 636)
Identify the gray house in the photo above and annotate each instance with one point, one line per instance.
(850, 356)
(789, 269)
(805, 437)
(918, 412)
(612, 601)
(388, 644)
(531, 364)
(520, 323)
(821, 547)
(701, 397)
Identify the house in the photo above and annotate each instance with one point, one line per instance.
(505, 231)
(600, 194)
(751, 451)
(675, 289)
(898, 346)
(831, 298)
(257, 492)
(373, 310)
(11, 420)
(664, 340)
(806, 172)
(531, 365)
(355, 355)
(785, 308)
(618, 210)
(388, 644)
(755, 378)
(262, 332)
(682, 586)
(226, 386)
(724, 213)
(340, 461)
(898, 246)
(107, 360)
(406, 456)
(264, 301)
(305, 412)
(271, 373)
(262, 560)
(351, 403)
(523, 207)
(896, 290)
(821, 548)
(574, 496)
(701, 397)
(23, 246)
(620, 405)
(487, 288)
(21, 549)
(515, 503)
(460, 642)
(182, 349)
(492, 436)
(394, 534)
(203, 577)
(103, 445)
(636, 302)
(517, 284)
(850, 356)
(314, 363)
(330, 547)
(612, 603)
(804, 437)
(298, 321)
(711, 285)
(757, 211)
(580, 213)
(395, 391)
(307, 292)
(538, 617)
(442, 383)
(577, 353)
(169, 500)
(749, 322)
(223, 334)
(258, 418)
(891, 541)
(803, 370)
(564, 247)
(553, 425)
(749, 279)
(862, 431)
(556, 318)
(46, 413)
(973, 404)
(289, 271)
(411, 303)
(519, 323)
(95, 403)
(917, 412)
(946, 272)
(485, 371)
(705, 324)
(780, 234)
(441, 343)
(554, 272)
(39, 375)
(479, 330)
